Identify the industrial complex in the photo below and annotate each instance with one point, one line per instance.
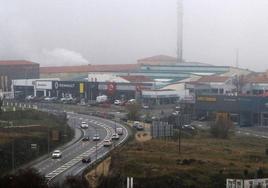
(153, 81)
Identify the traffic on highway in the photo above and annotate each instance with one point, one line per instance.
(94, 139)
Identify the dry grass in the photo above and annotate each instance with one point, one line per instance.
(101, 170)
(143, 136)
(158, 157)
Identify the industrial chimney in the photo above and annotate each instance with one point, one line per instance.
(180, 31)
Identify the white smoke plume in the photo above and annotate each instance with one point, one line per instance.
(60, 56)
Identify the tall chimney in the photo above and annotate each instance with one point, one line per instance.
(180, 31)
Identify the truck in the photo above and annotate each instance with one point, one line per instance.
(101, 99)
(119, 130)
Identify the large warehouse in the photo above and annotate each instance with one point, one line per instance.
(162, 69)
(245, 110)
(16, 69)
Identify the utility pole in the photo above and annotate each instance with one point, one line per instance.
(179, 124)
(48, 141)
(13, 148)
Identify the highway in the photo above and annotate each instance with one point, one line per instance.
(55, 170)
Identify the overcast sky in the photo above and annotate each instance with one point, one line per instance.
(122, 31)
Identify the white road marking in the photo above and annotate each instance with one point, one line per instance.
(75, 160)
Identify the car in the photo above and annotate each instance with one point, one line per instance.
(115, 136)
(131, 101)
(175, 113)
(145, 106)
(84, 125)
(107, 143)
(50, 99)
(188, 127)
(135, 124)
(140, 127)
(56, 154)
(66, 99)
(86, 138)
(86, 160)
(29, 97)
(96, 137)
(117, 102)
(119, 130)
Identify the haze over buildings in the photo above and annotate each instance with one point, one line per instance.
(122, 31)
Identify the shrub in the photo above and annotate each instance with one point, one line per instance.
(133, 111)
(221, 128)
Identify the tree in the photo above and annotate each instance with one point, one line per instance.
(133, 111)
(26, 178)
(221, 128)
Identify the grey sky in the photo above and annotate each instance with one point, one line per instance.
(122, 31)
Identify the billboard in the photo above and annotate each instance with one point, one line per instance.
(81, 88)
(43, 85)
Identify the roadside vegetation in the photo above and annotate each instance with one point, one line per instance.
(221, 128)
(205, 161)
(21, 179)
(133, 111)
(26, 135)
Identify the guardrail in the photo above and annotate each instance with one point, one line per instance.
(108, 154)
(53, 109)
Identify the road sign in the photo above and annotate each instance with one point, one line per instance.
(33, 146)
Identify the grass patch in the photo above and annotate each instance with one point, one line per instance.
(203, 159)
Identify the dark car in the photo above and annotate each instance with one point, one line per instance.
(86, 138)
(86, 160)
(140, 128)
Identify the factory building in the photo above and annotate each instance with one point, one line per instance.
(244, 110)
(16, 69)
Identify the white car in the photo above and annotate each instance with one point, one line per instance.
(117, 102)
(107, 143)
(56, 154)
(49, 99)
(119, 131)
(66, 99)
(115, 136)
(29, 97)
(96, 137)
(132, 101)
(188, 127)
(145, 106)
(84, 125)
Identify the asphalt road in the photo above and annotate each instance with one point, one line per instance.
(55, 170)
